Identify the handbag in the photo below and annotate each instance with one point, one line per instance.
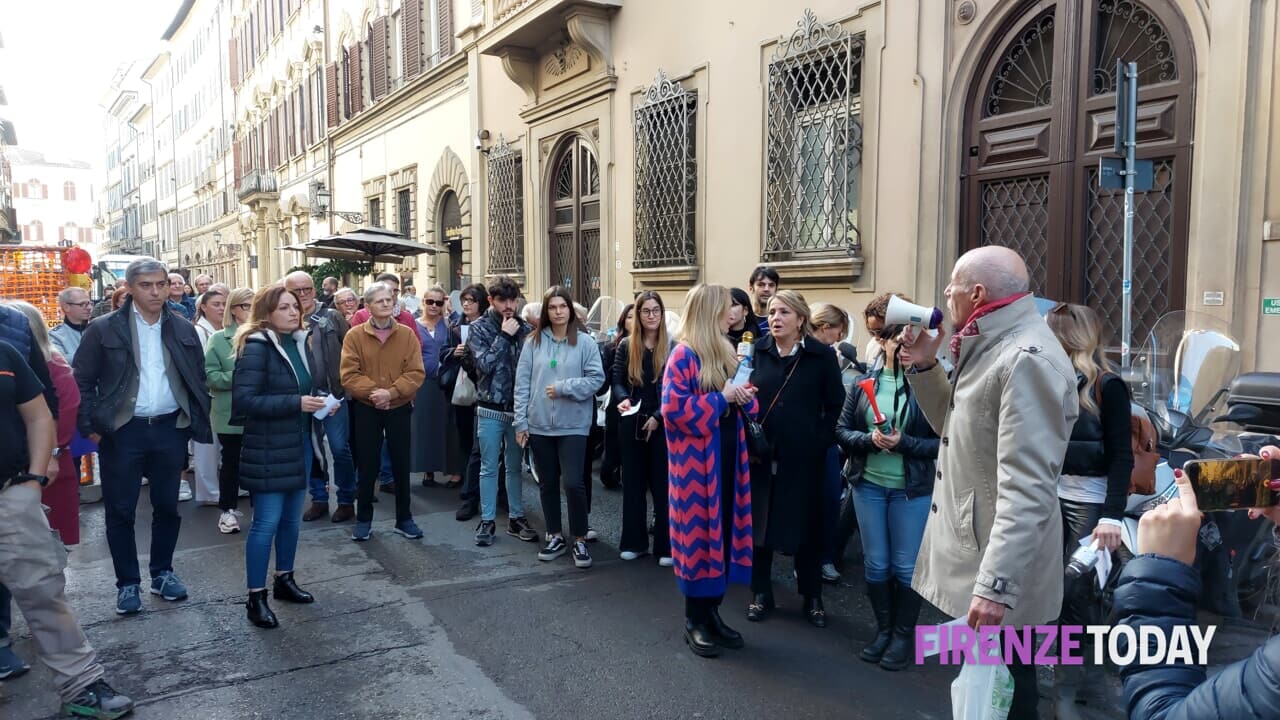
(464, 391)
(759, 449)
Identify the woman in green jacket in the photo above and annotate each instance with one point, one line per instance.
(219, 365)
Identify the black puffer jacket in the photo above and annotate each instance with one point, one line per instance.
(266, 401)
(1157, 591)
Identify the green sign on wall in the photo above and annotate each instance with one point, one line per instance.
(1271, 306)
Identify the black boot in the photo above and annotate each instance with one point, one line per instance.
(259, 612)
(722, 634)
(760, 608)
(700, 640)
(906, 610)
(881, 606)
(814, 612)
(286, 589)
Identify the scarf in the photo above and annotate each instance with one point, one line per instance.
(970, 328)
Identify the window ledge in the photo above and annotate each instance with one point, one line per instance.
(819, 271)
(676, 276)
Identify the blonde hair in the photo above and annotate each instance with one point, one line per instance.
(828, 315)
(796, 302)
(239, 296)
(1079, 329)
(39, 330)
(264, 303)
(635, 347)
(704, 306)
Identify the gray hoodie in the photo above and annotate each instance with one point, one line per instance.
(574, 370)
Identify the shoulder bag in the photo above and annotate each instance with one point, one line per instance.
(759, 449)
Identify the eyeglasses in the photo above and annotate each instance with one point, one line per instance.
(306, 291)
(242, 306)
(471, 300)
(348, 301)
(433, 303)
(83, 304)
(651, 312)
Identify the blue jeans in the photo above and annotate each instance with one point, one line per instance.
(277, 516)
(892, 527)
(498, 438)
(337, 431)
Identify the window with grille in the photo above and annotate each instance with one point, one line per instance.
(375, 212)
(814, 143)
(404, 212)
(506, 209)
(666, 180)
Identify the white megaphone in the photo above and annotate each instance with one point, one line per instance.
(901, 312)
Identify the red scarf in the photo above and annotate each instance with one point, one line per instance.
(971, 326)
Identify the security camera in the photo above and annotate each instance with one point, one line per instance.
(480, 138)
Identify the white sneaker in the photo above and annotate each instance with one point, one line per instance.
(229, 524)
(592, 535)
(666, 562)
(628, 555)
(184, 491)
(242, 493)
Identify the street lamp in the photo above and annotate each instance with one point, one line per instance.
(323, 196)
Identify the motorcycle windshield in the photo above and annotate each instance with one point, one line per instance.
(1183, 369)
(602, 317)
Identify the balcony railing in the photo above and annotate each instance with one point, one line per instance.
(256, 182)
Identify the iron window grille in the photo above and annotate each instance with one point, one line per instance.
(375, 212)
(666, 181)
(404, 212)
(814, 143)
(506, 209)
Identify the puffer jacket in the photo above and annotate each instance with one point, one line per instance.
(266, 401)
(1157, 591)
(576, 373)
(492, 355)
(326, 330)
(918, 446)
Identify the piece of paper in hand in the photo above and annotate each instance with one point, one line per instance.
(330, 402)
(635, 408)
(464, 331)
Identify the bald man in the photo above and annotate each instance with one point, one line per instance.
(992, 549)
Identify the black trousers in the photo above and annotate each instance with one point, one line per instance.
(229, 471)
(644, 474)
(697, 610)
(369, 426)
(465, 419)
(1079, 606)
(1026, 693)
(808, 561)
(559, 461)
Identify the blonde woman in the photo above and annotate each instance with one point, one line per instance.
(707, 472)
(219, 368)
(1094, 484)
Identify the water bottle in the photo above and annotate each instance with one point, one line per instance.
(746, 349)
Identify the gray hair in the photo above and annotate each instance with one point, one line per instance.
(339, 291)
(39, 330)
(371, 292)
(144, 266)
(65, 296)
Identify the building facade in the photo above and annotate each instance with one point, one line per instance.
(54, 199)
(129, 190)
(9, 229)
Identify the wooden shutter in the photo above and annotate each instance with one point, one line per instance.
(233, 61)
(378, 54)
(237, 162)
(331, 94)
(411, 38)
(444, 28)
(354, 77)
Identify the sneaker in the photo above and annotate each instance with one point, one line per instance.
(520, 528)
(666, 562)
(628, 555)
(409, 529)
(168, 586)
(592, 535)
(128, 600)
(11, 666)
(466, 511)
(229, 523)
(829, 573)
(184, 491)
(363, 531)
(242, 493)
(554, 548)
(581, 557)
(485, 532)
(98, 701)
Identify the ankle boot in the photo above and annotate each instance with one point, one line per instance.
(722, 634)
(286, 589)
(906, 610)
(699, 639)
(259, 612)
(881, 606)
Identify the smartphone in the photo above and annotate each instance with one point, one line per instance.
(1233, 484)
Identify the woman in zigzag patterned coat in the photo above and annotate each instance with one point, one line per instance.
(709, 482)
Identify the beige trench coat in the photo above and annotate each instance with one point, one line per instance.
(994, 527)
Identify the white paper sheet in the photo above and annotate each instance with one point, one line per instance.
(330, 402)
(635, 408)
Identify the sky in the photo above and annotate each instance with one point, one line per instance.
(57, 63)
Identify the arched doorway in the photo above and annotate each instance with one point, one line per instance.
(1041, 114)
(574, 232)
(449, 227)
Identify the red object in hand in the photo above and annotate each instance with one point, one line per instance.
(77, 261)
(868, 386)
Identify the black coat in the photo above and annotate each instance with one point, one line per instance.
(106, 370)
(1160, 592)
(266, 401)
(918, 446)
(786, 504)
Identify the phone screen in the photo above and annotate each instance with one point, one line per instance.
(1233, 484)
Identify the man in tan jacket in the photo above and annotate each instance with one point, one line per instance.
(992, 549)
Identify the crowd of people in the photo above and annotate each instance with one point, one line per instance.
(974, 468)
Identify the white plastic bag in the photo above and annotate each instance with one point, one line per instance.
(982, 692)
(464, 391)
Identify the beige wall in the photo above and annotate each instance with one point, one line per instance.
(916, 72)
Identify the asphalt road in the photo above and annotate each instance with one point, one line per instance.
(440, 628)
